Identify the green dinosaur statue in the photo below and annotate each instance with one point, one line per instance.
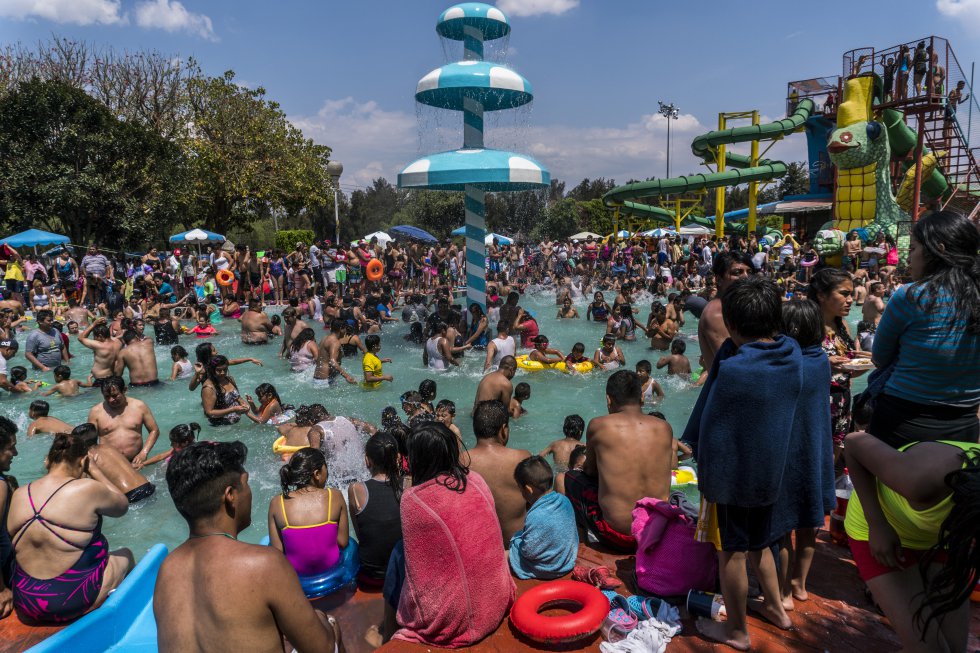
(863, 197)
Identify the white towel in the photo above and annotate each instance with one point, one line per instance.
(650, 636)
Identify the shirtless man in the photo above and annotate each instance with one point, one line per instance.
(256, 325)
(727, 268)
(121, 420)
(874, 306)
(79, 314)
(497, 385)
(114, 466)
(495, 462)
(43, 423)
(615, 478)
(198, 603)
(139, 358)
(328, 361)
(104, 348)
(292, 326)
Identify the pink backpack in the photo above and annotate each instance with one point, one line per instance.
(669, 562)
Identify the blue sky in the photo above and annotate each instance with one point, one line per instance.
(345, 72)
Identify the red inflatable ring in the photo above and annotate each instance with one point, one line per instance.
(375, 270)
(593, 608)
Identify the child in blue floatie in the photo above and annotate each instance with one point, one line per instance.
(547, 545)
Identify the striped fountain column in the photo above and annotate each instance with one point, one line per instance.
(476, 224)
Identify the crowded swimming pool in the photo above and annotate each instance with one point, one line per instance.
(554, 395)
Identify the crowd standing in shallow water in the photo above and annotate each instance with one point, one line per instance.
(772, 430)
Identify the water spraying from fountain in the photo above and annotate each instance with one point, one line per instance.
(474, 86)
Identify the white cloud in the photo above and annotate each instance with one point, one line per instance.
(536, 7)
(78, 12)
(173, 16)
(372, 142)
(368, 140)
(966, 12)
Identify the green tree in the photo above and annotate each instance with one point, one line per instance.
(246, 155)
(590, 189)
(596, 216)
(373, 208)
(796, 181)
(438, 212)
(559, 221)
(69, 165)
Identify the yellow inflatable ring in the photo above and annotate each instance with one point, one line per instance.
(375, 270)
(582, 368)
(524, 363)
(280, 448)
(224, 278)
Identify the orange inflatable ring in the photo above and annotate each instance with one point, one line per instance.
(375, 270)
(225, 278)
(592, 610)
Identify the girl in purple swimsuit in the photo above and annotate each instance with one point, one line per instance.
(63, 566)
(308, 521)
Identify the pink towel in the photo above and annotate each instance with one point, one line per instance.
(458, 586)
(668, 560)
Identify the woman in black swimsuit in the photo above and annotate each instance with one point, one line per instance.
(219, 394)
(598, 309)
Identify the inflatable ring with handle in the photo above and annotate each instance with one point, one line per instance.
(526, 617)
(524, 363)
(342, 574)
(280, 448)
(224, 278)
(375, 270)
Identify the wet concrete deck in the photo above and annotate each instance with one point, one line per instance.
(838, 617)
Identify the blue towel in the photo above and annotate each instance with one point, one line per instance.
(807, 491)
(741, 422)
(547, 545)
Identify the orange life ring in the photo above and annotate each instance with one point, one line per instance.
(375, 270)
(224, 278)
(593, 608)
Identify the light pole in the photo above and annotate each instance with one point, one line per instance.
(335, 169)
(668, 111)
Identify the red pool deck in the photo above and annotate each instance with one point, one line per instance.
(837, 618)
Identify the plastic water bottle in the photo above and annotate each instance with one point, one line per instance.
(613, 632)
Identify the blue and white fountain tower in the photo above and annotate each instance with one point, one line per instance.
(474, 86)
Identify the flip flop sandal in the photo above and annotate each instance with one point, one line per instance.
(644, 607)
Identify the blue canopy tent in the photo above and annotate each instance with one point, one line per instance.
(413, 233)
(33, 238)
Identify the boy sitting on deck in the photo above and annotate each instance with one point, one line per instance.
(740, 438)
(547, 545)
(199, 605)
(560, 450)
(614, 477)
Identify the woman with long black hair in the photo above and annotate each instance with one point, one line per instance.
(928, 339)
(833, 291)
(222, 402)
(912, 525)
(448, 517)
(374, 507)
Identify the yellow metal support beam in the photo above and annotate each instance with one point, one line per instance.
(754, 186)
(720, 192)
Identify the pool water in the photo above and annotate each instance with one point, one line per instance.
(553, 396)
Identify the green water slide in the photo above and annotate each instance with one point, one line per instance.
(738, 168)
